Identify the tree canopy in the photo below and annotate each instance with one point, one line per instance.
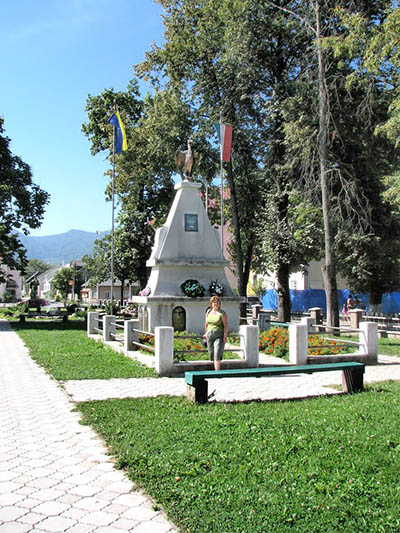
(22, 205)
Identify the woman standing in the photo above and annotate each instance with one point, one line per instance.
(216, 331)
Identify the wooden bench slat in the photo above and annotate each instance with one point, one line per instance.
(192, 377)
(197, 385)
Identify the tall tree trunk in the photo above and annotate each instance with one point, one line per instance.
(242, 281)
(329, 268)
(282, 277)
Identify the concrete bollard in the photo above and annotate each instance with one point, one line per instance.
(356, 317)
(316, 314)
(129, 334)
(92, 324)
(369, 339)
(249, 343)
(164, 350)
(264, 322)
(298, 344)
(108, 327)
(255, 313)
(309, 322)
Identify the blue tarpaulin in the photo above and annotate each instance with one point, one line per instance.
(302, 301)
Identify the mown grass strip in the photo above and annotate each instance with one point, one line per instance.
(66, 352)
(326, 464)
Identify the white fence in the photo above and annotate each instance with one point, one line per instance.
(164, 343)
(367, 343)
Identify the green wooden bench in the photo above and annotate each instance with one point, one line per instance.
(197, 384)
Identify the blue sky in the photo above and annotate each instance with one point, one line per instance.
(55, 53)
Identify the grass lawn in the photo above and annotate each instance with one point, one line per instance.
(66, 352)
(389, 347)
(319, 465)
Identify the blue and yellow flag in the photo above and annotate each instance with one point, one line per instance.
(120, 135)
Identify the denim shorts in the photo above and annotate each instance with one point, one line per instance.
(215, 344)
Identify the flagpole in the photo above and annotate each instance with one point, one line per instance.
(112, 218)
(222, 189)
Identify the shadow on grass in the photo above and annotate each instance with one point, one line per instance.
(48, 324)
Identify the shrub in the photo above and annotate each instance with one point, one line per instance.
(115, 309)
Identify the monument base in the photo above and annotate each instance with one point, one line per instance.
(183, 313)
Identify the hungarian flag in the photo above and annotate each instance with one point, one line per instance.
(120, 135)
(224, 132)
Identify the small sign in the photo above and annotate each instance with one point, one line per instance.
(191, 222)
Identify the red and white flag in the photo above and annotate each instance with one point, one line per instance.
(224, 132)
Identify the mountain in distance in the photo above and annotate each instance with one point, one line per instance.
(61, 248)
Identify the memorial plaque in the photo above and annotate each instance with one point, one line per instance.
(179, 319)
(191, 222)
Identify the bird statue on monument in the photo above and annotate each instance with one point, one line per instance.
(186, 161)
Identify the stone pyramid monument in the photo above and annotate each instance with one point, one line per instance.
(186, 247)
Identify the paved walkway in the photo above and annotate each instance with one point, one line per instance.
(55, 474)
(233, 389)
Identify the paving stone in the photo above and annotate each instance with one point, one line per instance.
(125, 525)
(81, 528)
(16, 527)
(29, 503)
(74, 513)
(140, 513)
(112, 529)
(91, 504)
(99, 518)
(154, 527)
(56, 524)
(42, 483)
(9, 486)
(8, 513)
(32, 518)
(130, 500)
(51, 508)
(84, 490)
(46, 495)
(69, 498)
(120, 487)
(10, 499)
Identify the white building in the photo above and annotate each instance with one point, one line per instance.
(310, 277)
(13, 287)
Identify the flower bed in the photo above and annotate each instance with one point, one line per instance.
(192, 343)
(275, 342)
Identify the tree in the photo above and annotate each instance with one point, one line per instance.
(156, 126)
(36, 265)
(65, 278)
(132, 242)
(244, 73)
(22, 205)
(345, 199)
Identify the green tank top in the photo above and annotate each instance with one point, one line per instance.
(215, 321)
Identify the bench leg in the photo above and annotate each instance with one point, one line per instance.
(198, 393)
(352, 380)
